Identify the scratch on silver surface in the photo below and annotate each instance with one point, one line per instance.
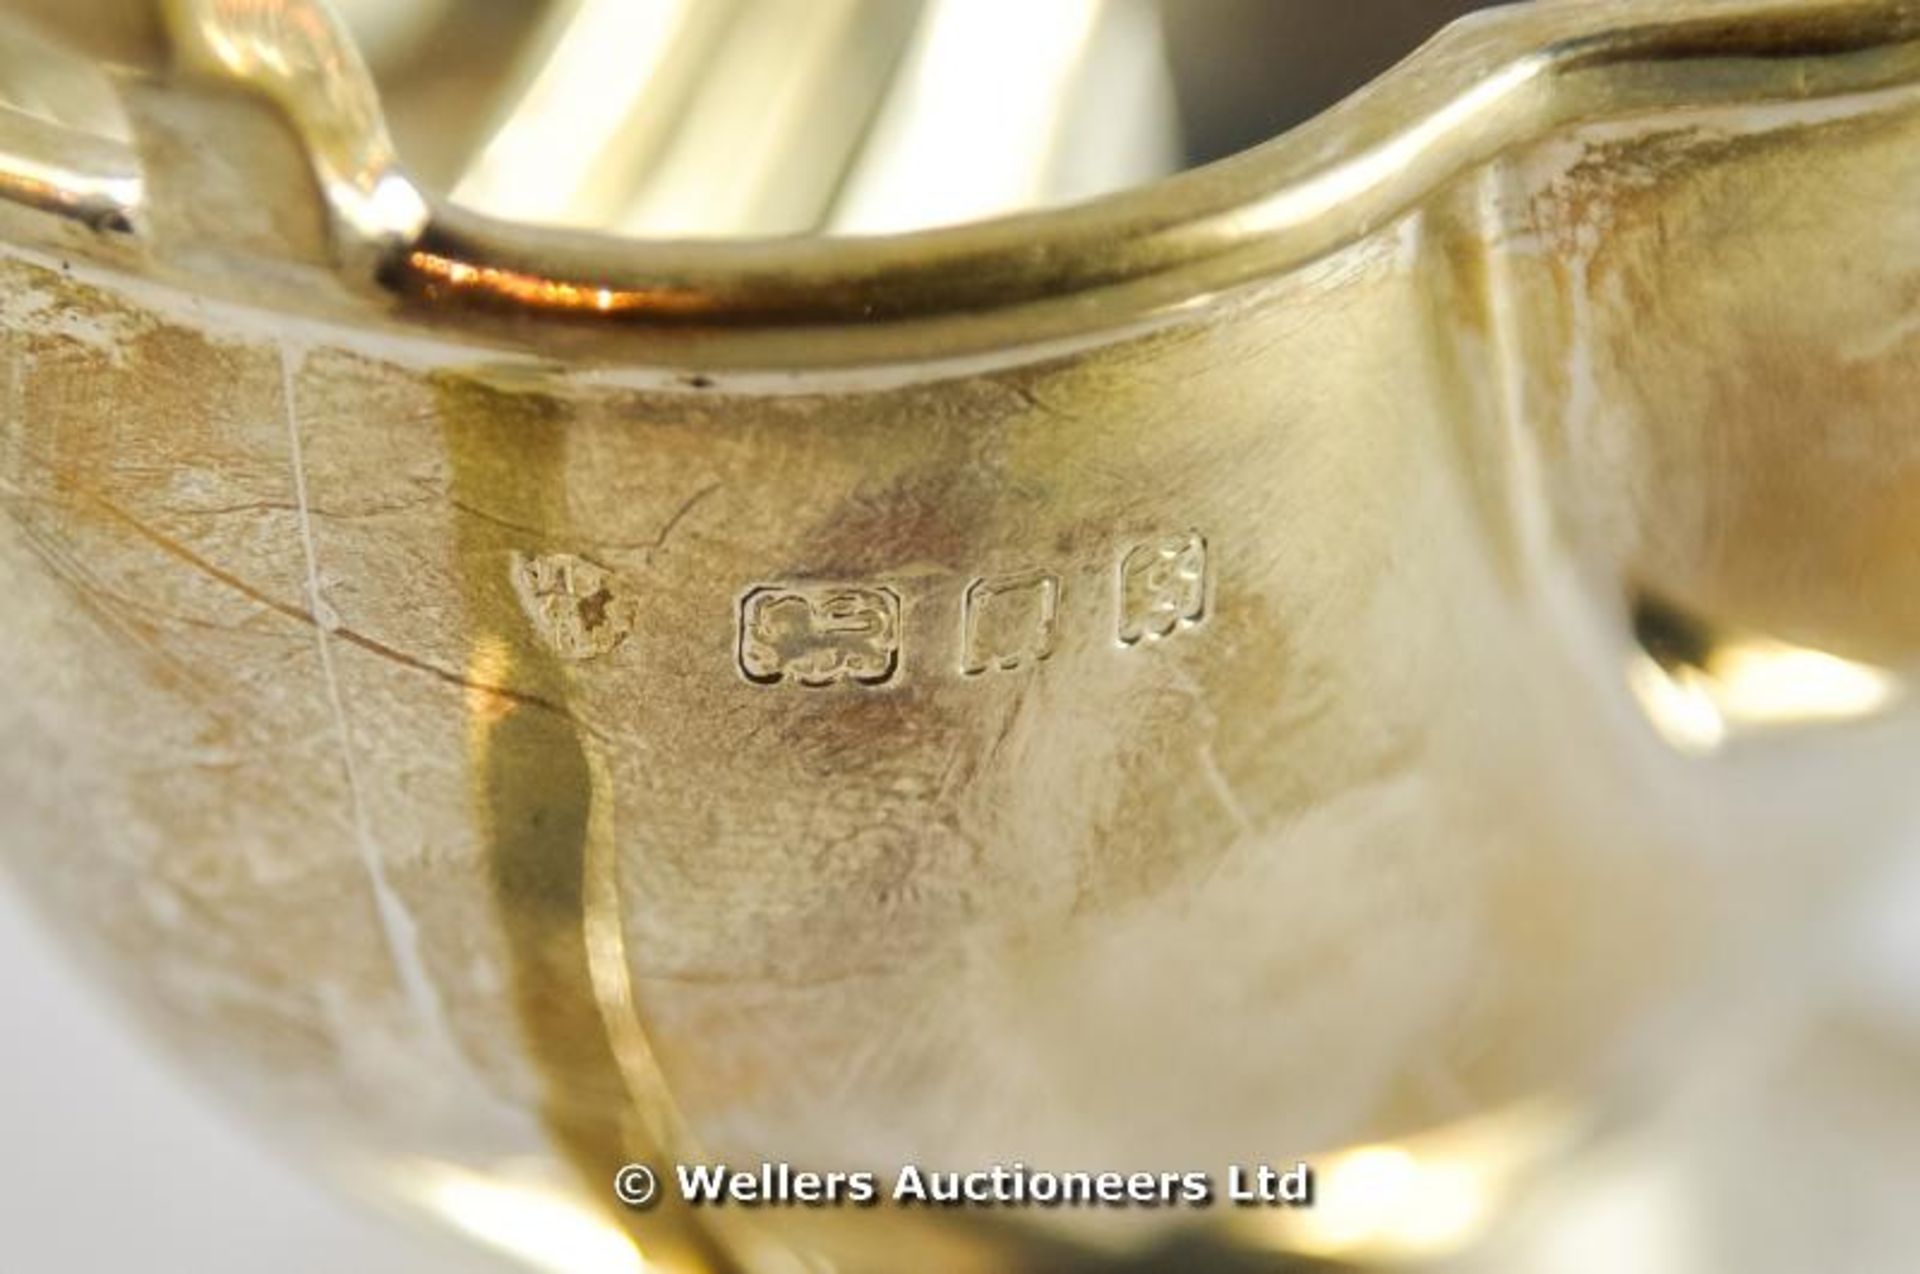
(1222, 790)
(397, 925)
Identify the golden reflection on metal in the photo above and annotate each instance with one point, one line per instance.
(64, 144)
(1709, 689)
(1138, 683)
(1774, 685)
(1121, 128)
(601, 85)
(491, 664)
(543, 803)
(1633, 1216)
(390, 32)
(666, 118)
(761, 146)
(1679, 703)
(523, 1217)
(946, 151)
(648, 1093)
(1423, 1199)
(512, 286)
(295, 52)
(70, 174)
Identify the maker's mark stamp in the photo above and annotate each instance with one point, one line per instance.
(1009, 621)
(1163, 588)
(820, 635)
(577, 607)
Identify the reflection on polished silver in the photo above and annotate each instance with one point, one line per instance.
(299, 56)
(542, 635)
(64, 138)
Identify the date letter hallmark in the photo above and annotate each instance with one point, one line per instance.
(1009, 622)
(820, 635)
(1163, 588)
